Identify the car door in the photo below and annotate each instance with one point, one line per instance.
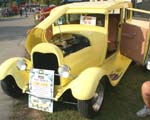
(135, 36)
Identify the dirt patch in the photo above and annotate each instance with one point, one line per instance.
(23, 112)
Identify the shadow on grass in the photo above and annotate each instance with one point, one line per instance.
(62, 111)
(123, 101)
(120, 103)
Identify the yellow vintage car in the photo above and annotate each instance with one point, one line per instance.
(87, 45)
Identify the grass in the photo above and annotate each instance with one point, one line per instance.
(120, 102)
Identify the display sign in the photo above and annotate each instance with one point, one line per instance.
(41, 89)
(89, 20)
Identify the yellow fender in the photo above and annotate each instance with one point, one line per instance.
(84, 86)
(9, 68)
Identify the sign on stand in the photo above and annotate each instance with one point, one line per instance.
(41, 89)
(88, 20)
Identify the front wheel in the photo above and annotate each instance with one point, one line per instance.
(10, 87)
(89, 108)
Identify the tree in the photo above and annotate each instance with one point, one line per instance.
(56, 2)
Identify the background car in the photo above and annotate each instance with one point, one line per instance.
(44, 12)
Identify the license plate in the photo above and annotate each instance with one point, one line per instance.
(41, 89)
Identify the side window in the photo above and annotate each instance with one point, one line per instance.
(87, 19)
(100, 20)
(74, 18)
(141, 4)
(62, 20)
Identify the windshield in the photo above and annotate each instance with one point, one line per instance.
(86, 19)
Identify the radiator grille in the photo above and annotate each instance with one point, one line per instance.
(47, 61)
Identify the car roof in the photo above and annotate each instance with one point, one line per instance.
(101, 4)
(84, 7)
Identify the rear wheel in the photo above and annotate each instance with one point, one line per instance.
(10, 87)
(89, 108)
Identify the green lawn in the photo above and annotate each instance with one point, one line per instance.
(120, 103)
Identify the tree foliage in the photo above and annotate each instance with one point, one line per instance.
(48, 2)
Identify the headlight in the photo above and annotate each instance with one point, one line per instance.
(21, 64)
(64, 71)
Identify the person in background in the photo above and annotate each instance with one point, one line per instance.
(145, 90)
(20, 11)
(26, 11)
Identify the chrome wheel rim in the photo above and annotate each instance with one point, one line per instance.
(98, 98)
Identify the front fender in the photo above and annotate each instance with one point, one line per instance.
(9, 68)
(84, 86)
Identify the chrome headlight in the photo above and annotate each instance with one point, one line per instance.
(64, 71)
(21, 64)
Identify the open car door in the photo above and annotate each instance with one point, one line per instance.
(135, 36)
